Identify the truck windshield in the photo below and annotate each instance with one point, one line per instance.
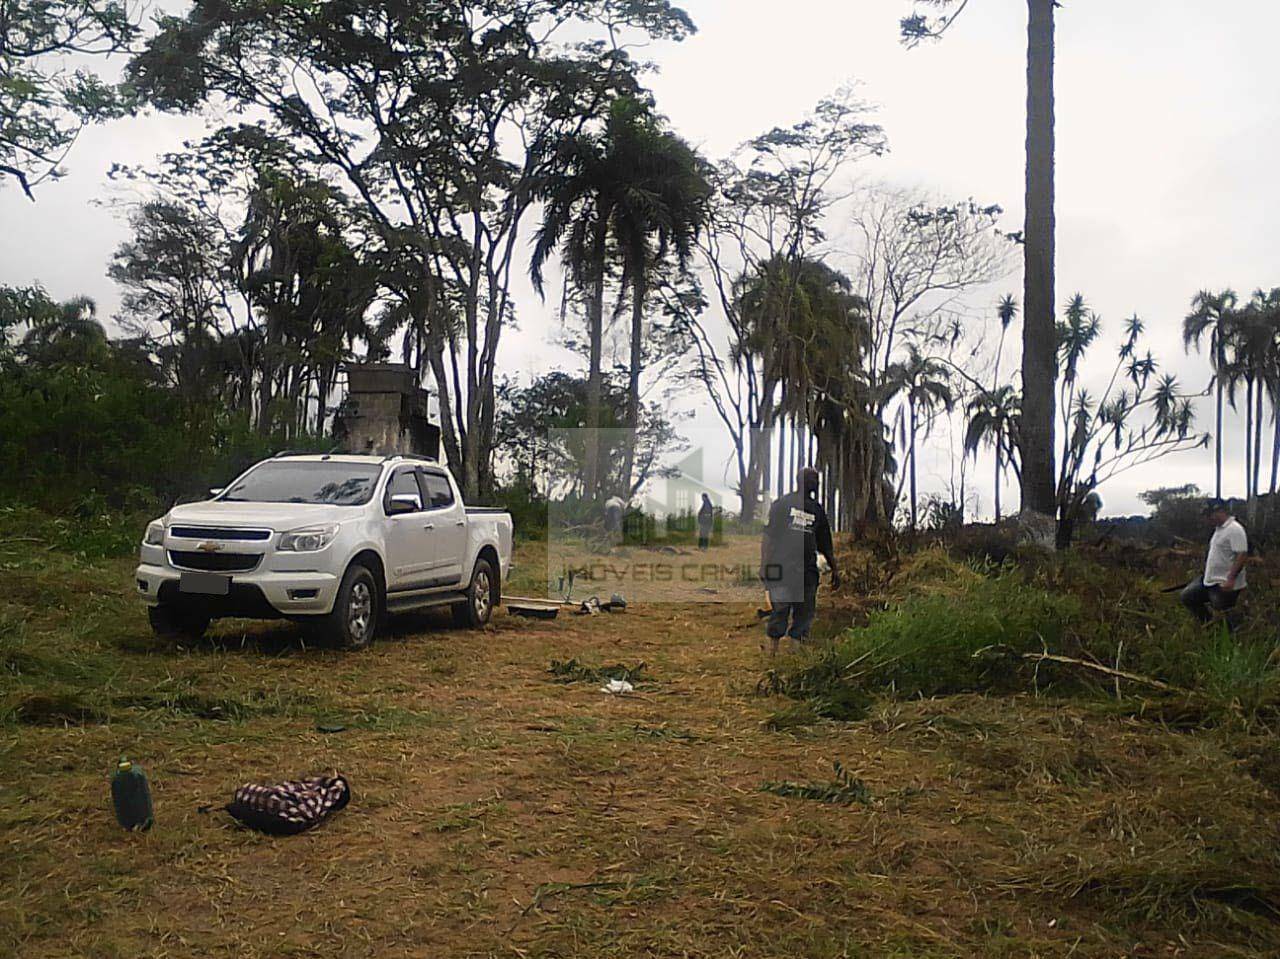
(308, 481)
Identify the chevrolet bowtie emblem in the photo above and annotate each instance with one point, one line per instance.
(209, 547)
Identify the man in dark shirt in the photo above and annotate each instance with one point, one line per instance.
(797, 531)
(706, 522)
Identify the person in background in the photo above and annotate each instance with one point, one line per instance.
(796, 532)
(1219, 588)
(614, 507)
(706, 522)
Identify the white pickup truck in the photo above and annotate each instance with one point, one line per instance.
(335, 540)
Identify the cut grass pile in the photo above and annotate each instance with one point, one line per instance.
(1124, 820)
(844, 790)
(572, 671)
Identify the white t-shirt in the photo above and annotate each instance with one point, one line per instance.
(1227, 542)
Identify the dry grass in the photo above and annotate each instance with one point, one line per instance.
(499, 812)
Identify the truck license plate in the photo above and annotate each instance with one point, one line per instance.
(208, 584)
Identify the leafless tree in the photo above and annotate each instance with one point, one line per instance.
(913, 260)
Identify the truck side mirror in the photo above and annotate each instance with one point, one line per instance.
(403, 503)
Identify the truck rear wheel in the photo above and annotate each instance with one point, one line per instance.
(356, 609)
(482, 596)
(175, 625)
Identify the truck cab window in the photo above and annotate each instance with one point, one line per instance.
(439, 492)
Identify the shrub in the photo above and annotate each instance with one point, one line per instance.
(1177, 513)
(528, 511)
(926, 645)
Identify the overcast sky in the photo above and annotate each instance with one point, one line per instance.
(1168, 130)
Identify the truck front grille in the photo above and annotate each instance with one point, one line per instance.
(219, 532)
(214, 562)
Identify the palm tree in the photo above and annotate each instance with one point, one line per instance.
(1268, 305)
(789, 309)
(638, 186)
(993, 421)
(66, 335)
(925, 383)
(578, 200)
(662, 206)
(1212, 313)
(1249, 352)
(1007, 311)
(1252, 361)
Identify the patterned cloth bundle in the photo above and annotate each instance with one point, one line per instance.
(283, 809)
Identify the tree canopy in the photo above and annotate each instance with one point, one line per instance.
(44, 103)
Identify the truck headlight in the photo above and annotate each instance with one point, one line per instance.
(307, 540)
(154, 535)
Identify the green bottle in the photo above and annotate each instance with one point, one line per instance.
(132, 796)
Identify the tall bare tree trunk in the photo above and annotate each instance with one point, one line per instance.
(595, 336)
(1255, 488)
(449, 438)
(633, 379)
(997, 478)
(1217, 436)
(1039, 347)
(1248, 441)
(782, 446)
(911, 440)
(766, 468)
(1275, 446)
(749, 489)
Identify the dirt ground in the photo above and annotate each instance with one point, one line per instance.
(499, 812)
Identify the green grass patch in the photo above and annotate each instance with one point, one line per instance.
(927, 644)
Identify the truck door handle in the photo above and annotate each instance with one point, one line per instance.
(429, 526)
(460, 522)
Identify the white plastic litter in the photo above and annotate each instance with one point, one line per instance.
(617, 687)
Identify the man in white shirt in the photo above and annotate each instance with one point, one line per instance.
(614, 507)
(1224, 574)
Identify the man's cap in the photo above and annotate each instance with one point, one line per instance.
(1213, 504)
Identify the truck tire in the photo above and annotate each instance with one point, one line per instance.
(354, 619)
(482, 596)
(175, 625)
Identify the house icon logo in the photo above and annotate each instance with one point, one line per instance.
(677, 496)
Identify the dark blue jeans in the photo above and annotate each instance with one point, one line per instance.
(788, 608)
(1204, 600)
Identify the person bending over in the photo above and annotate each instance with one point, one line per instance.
(1223, 580)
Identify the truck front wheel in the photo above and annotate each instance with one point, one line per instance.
(354, 619)
(175, 625)
(482, 595)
